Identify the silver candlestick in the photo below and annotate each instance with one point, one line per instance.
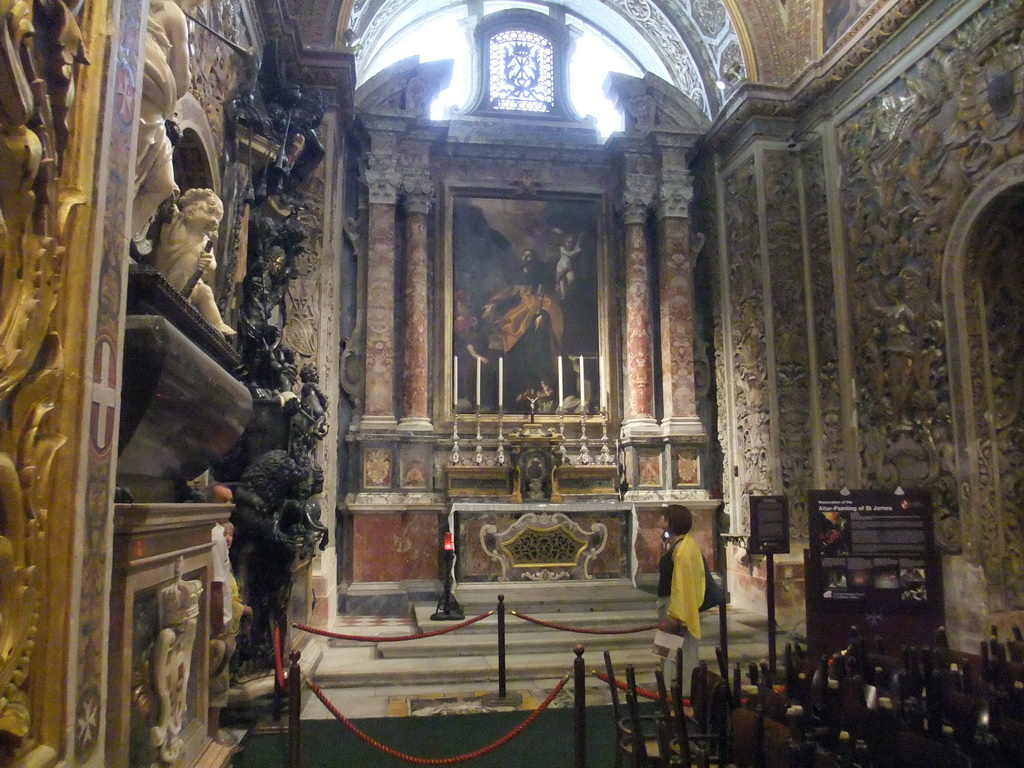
(478, 457)
(456, 456)
(562, 452)
(585, 458)
(605, 456)
(499, 459)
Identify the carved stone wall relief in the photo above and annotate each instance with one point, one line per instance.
(829, 434)
(996, 332)
(788, 299)
(216, 69)
(945, 127)
(748, 365)
(302, 302)
(171, 665)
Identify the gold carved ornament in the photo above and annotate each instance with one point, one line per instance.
(544, 547)
(40, 44)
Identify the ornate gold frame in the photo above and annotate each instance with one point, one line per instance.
(445, 293)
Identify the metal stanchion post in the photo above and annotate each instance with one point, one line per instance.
(448, 608)
(580, 707)
(294, 710)
(277, 700)
(501, 646)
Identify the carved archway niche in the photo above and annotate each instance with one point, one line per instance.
(985, 308)
(195, 154)
(191, 163)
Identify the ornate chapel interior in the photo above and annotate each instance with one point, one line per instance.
(365, 277)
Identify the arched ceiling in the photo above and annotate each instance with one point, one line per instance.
(770, 42)
(696, 45)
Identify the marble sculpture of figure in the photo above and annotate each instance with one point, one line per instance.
(182, 254)
(166, 78)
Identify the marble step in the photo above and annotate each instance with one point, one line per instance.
(561, 597)
(480, 644)
(358, 668)
(598, 620)
(362, 668)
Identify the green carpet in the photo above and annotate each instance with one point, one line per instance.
(546, 743)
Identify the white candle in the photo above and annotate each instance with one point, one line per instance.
(455, 380)
(478, 360)
(501, 382)
(561, 396)
(600, 371)
(583, 391)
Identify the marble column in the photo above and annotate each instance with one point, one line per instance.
(414, 373)
(675, 273)
(383, 180)
(639, 402)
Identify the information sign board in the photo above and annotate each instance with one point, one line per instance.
(872, 563)
(769, 525)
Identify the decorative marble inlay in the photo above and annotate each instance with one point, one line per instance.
(389, 545)
(415, 368)
(677, 332)
(685, 468)
(380, 312)
(639, 352)
(414, 468)
(541, 540)
(648, 469)
(377, 468)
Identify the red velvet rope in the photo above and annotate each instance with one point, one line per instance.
(564, 628)
(392, 638)
(278, 668)
(653, 695)
(603, 676)
(435, 760)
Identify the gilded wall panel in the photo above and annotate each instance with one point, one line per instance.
(984, 527)
(826, 347)
(995, 321)
(910, 157)
(788, 300)
(49, 99)
(748, 365)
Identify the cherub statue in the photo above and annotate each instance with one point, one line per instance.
(183, 253)
(166, 78)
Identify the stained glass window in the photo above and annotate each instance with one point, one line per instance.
(521, 71)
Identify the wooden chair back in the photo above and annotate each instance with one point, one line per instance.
(915, 751)
(645, 751)
(745, 739)
(613, 688)
(776, 741)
